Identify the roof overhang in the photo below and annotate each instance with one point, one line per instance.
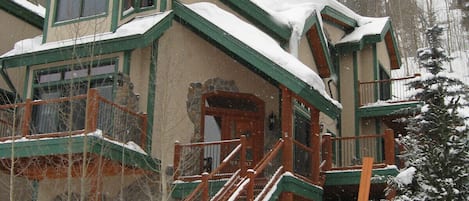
(386, 35)
(74, 145)
(100, 47)
(260, 63)
(339, 19)
(319, 46)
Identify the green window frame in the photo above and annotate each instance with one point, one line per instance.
(134, 6)
(72, 10)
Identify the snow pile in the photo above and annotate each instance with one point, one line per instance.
(38, 9)
(405, 177)
(294, 14)
(138, 26)
(260, 42)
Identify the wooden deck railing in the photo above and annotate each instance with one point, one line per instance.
(66, 116)
(390, 91)
(347, 152)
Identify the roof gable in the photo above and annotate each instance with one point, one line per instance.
(290, 73)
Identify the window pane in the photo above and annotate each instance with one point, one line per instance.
(146, 3)
(100, 70)
(67, 10)
(76, 74)
(94, 7)
(49, 77)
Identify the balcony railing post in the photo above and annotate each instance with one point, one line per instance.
(205, 191)
(287, 129)
(389, 149)
(250, 187)
(327, 151)
(242, 160)
(177, 158)
(143, 132)
(92, 108)
(28, 108)
(316, 146)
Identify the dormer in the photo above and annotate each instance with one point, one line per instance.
(68, 19)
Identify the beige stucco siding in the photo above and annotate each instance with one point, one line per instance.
(347, 95)
(186, 59)
(365, 66)
(333, 33)
(14, 29)
(140, 74)
(57, 31)
(383, 56)
(305, 54)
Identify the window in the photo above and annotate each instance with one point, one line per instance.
(384, 87)
(131, 6)
(73, 9)
(64, 82)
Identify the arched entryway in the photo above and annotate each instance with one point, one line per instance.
(228, 115)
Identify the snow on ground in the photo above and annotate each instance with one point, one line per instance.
(139, 25)
(38, 9)
(260, 42)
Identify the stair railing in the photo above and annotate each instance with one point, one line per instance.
(250, 179)
(203, 188)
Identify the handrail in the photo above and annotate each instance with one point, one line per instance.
(271, 183)
(258, 169)
(388, 90)
(222, 165)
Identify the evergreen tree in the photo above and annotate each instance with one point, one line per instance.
(437, 147)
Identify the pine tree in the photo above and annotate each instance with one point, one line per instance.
(437, 147)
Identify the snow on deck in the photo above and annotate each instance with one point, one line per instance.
(98, 133)
(38, 9)
(262, 43)
(138, 26)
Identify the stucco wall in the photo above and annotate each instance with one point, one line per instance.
(57, 31)
(383, 56)
(305, 55)
(365, 66)
(347, 95)
(14, 29)
(333, 33)
(186, 58)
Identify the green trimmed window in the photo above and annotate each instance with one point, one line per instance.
(384, 87)
(131, 6)
(74, 9)
(68, 81)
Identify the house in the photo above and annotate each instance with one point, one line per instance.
(150, 100)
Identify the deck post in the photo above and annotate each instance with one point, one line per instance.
(250, 187)
(177, 158)
(389, 149)
(92, 106)
(143, 132)
(242, 160)
(205, 191)
(287, 118)
(327, 151)
(365, 179)
(27, 117)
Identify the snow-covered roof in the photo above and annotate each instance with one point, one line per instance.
(294, 14)
(38, 9)
(138, 26)
(261, 42)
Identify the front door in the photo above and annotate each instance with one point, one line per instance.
(228, 116)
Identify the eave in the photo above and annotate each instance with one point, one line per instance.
(335, 17)
(76, 145)
(335, 178)
(385, 110)
(265, 66)
(90, 49)
(318, 45)
(23, 13)
(261, 18)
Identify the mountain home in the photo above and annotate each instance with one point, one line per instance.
(153, 100)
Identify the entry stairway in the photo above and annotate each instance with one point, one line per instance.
(276, 176)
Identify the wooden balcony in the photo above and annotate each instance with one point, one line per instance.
(233, 177)
(68, 116)
(388, 91)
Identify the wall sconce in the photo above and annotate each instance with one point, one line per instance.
(272, 121)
